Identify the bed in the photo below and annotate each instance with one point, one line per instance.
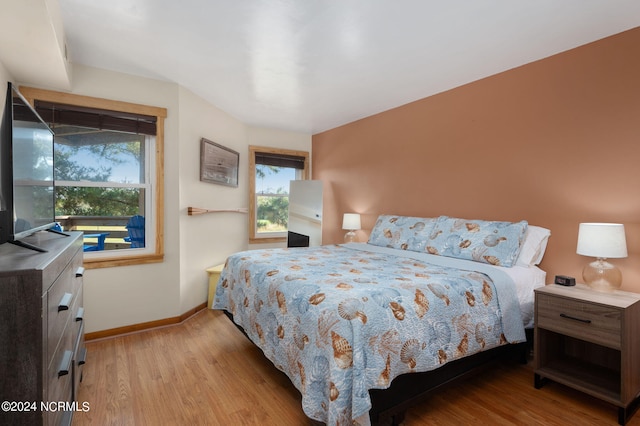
(428, 296)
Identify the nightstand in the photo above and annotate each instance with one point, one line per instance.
(589, 341)
(214, 276)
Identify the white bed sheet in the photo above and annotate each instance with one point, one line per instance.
(527, 279)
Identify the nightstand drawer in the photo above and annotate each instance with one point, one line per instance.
(587, 321)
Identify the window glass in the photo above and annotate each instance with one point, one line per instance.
(270, 172)
(272, 198)
(98, 155)
(101, 185)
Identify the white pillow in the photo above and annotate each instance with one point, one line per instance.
(534, 246)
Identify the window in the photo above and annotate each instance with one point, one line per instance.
(109, 169)
(270, 171)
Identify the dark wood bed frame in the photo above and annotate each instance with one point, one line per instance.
(389, 405)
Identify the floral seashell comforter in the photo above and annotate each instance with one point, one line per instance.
(341, 320)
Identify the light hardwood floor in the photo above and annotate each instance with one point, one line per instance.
(205, 372)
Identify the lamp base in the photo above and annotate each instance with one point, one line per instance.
(350, 237)
(601, 275)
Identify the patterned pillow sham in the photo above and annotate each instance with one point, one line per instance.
(402, 232)
(496, 243)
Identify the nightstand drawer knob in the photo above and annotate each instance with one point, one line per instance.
(586, 321)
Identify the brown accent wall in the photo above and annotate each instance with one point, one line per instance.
(555, 142)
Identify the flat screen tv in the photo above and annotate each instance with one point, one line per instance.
(27, 197)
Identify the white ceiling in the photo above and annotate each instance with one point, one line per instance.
(308, 65)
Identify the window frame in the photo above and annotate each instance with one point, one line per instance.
(122, 257)
(254, 238)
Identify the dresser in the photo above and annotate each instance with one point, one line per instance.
(589, 341)
(41, 330)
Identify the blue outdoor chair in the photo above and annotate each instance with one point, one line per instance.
(100, 244)
(135, 227)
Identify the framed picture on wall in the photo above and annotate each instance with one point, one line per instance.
(218, 164)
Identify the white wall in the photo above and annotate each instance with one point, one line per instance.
(207, 240)
(116, 297)
(128, 295)
(121, 296)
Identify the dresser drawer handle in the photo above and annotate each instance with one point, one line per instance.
(79, 272)
(65, 365)
(65, 302)
(80, 314)
(586, 321)
(82, 358)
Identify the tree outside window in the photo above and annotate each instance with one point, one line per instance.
(108, 173)
(109, 163)
(270, 171)
(272, 197)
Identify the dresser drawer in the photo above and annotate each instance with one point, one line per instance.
(79, 359)
(591, 322)
(59, 302)
(63, 301)
(60, 377)
(77, 312)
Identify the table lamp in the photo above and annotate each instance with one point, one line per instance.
(350, 222)
(602, 241)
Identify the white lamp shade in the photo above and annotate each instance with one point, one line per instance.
(351, 221)
(603, 240)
